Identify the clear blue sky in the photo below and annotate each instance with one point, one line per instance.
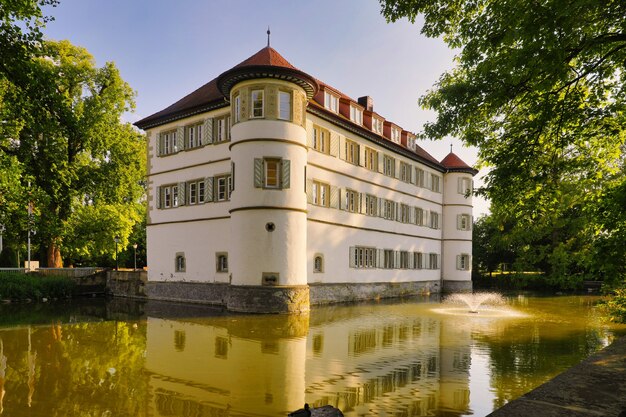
(166, 49)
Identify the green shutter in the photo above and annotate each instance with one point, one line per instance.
(180, 139)
(157, 145)
(208, 189)
(182, 198)
(232, 177)
(286, 173)
(258, 172)
(207, 128)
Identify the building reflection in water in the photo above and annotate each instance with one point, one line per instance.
(359, 359)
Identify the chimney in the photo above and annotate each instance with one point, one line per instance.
(367, 102)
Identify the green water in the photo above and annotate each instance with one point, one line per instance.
(413, 357)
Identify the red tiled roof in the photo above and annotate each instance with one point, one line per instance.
(209, 96)
(266, 56)
(452, 161)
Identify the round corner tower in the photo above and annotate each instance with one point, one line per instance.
(268, 99)
(457, 225)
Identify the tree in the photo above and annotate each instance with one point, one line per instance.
(539, 89)
(86, 166)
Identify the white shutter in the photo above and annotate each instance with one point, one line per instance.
(352, 256)
(309, 191)
(361, 203)
(380, 258)
(458, 262)
(334, 144)
(286, 173)
(460, 186)
(396, 260)
(258, 172)
(157, 197)
(157, 145)
(381, 162)
(207, 128)
(309, 136)
(334, 197)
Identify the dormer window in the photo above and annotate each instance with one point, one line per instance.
(331, 102)
(356, 115)
(395, 135)
(377, 125)
(411, 142)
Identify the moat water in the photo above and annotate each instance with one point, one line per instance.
(413, 357)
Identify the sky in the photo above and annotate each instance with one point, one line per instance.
(165, 49)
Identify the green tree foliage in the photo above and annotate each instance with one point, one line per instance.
(62, 132)
(539, 89)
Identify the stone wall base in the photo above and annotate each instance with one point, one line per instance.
(321, 294)
(273, 299)
(456, 286)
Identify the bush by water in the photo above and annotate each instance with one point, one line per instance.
(16, 286)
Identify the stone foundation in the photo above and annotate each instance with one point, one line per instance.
(268, 299)
(272, 299)
(456, 286)
(321, 294)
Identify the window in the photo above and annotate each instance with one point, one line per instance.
(411, 142)
(352, 201)
(377, 125)
(433, 260)
(318, 263)
(321, 139)
(352, 152)
(222, 188)
(395, 135)
(221, 262)
(419, 216)
(371, 159)
(222, 127)
(388, 259)
(180, 262)
(465, 186)
(237, 108)
(389, 166)
(463, 262)
(356, 115)
(321, 194)
(405, 213)
(418, 260)
(331, 102)
(168, 143)
(434, 220)
(271, 173)
(405, 172)
(404, 260)
(389, 209)
(419, 177)
(464, 222)
(362, 257)
(196, 192)
(256, 97)
(193, 136)
(284, 105)
(169, 195)
(435, 184)
(371, 205)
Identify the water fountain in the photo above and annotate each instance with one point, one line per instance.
(485, 304)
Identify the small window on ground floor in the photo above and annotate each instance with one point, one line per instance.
(221, 262)
(318, 263)
(181, 263)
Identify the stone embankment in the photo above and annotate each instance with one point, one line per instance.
(595, 387)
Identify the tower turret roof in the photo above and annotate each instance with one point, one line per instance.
(455, 164)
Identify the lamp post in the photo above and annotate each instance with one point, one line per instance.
(135, 247)
(117, 240)
(2, 229)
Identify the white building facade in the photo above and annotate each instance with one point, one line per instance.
(269, 191)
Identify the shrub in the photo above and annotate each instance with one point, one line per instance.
(17, 286)
(615, 306)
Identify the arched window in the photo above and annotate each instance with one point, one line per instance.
(180, 262)
(318, 263)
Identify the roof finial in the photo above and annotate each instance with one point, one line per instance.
(268, 36)
(450, 148)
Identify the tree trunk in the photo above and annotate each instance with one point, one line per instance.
(54, 255)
